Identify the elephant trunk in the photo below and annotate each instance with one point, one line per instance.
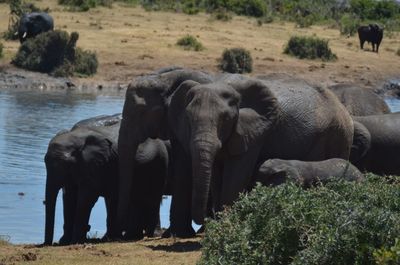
(127, 147)
(203, 156)
(50, 201)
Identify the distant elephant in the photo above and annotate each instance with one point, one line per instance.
(277, 171)
(32, 24)
(371, 33)
(223, 129)
(359, 101)
(145, 115)
(84, 163)
(380, 137)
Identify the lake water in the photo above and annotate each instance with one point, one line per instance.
(28, 120)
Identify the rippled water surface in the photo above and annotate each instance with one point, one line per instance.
(28, 120)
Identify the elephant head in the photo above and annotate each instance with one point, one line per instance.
(32, 24)
(74, 158)
(229, 116)
(144, 116)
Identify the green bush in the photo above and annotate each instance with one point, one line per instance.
(236, 60)
(222, 14)
(388, 256)
(309, 48)
(189, 42)
(84, 5)
(1, 50)
(55, 52)
(254, 8)
(349, 24)
(341, 223)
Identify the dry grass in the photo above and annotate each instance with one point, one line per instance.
(130, 41)
(149, 251)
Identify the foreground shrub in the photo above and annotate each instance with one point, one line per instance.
(55, 52)
(309, 48)
(236, 60)
(189, 42)
(341, 223)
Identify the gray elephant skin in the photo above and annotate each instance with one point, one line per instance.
(372, 33)
(274, 172)
(377, 144)
(32, 24)
(83, 162)
(221, 127)
(359, 101)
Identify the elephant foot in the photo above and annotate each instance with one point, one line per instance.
(181, 233)
(133, 236)
(64, 240)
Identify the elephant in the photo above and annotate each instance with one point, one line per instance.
(379, 138)
(83, 162)
(359, 101)
(372, 33)
(32, 24)
(274, 172)
(144, 115)
(223, 129)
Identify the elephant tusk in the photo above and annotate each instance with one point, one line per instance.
(24, 36)
(16, 33)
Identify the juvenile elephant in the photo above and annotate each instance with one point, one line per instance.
(225, 128)
(371, 33)
(32, 24)
(359, 101)
(379, 136)
(277, 171)
(84, 163)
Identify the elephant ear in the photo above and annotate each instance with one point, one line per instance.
(177, 105)
(97, 151)
(257, 114)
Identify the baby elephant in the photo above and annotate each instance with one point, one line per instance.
(277, 171)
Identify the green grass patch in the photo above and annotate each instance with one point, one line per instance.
(236, 60)
(55, 52)
(309, 48)
(336, 224)
(189, 42)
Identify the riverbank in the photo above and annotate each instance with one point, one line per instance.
(130, 41)
(148, 251)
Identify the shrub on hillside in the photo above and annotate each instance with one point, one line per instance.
(190, 42)
(339, 223)
(254, 8)
(236, 60)
(309, 48)
(349, 24)
(55, 52)
(84, 5)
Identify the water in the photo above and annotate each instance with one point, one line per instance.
(28, 120)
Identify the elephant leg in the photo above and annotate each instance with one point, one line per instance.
(111, 208)
(70, 194)
(180, 212)
(238, 171)
(362, 44)
(135, 226)
(86, 200)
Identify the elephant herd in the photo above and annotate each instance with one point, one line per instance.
(204, 138)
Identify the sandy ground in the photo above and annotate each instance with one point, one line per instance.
(130, 41)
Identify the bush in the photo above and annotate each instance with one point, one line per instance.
(236, 60)
(1, 50)
(349, 24)
(222, 14)
(398, 52)
(189, 42)
(341, 223)
(84, 5)
(309, 48)
(55, 52)
(254, 8)
(388, 256)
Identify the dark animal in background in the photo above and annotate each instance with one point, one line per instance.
(306, 174)
(371, 33)
(32, 24)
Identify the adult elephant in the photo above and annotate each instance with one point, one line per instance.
(145, 115)
(32, 24)
(371, 33)
(359, 101)
(223, 129)
(379, 136)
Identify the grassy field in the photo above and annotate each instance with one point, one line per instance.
(148, 251)
(130, 41)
